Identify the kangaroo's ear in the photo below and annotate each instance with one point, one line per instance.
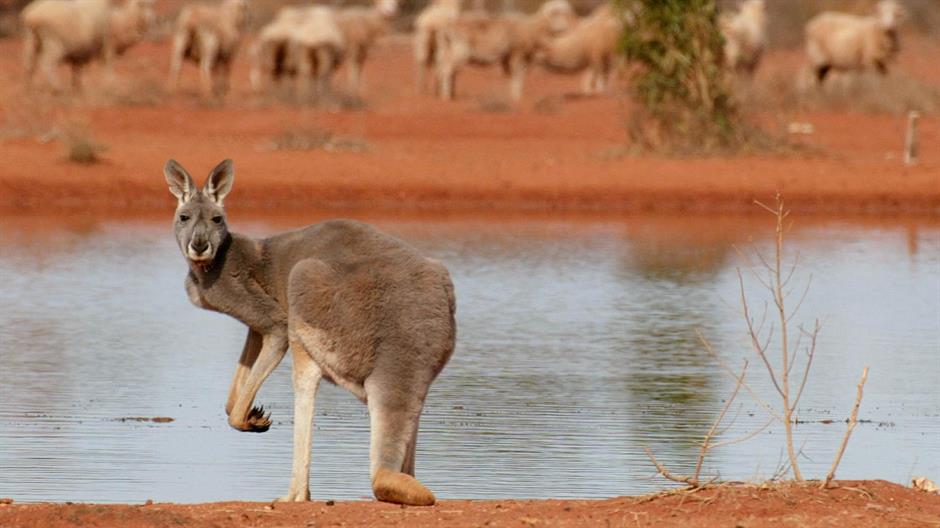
(181, 184)
(220, 182)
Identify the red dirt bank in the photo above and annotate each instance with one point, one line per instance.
(853, 504)
(552, 152)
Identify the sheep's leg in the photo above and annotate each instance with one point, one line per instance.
(223, 77)
(76, 78)
(176, 59)
(304, 72)
(49, 58)
(30, 51)
(355, 71)
(423, 55)
(306, 379)
(447, 77)
(208, 56)
(587, 82)
(517, 71)
(254, 75)
(109, 54)
(325, 66)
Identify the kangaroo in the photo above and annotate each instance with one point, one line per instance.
(355, 306)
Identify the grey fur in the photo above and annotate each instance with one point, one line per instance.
(357, 307)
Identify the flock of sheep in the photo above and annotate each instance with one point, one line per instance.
(306, 44)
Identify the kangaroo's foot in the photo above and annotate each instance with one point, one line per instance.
(392, 486)
(255, 422)
(296, 496)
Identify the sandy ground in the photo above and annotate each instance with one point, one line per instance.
(850, 505)
(552, 151)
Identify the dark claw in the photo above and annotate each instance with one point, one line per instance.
(257, 421)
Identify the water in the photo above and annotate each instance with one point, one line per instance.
(577, 347)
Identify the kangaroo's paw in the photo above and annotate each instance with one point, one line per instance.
(296, 496)
(391, 486)
(255, 422)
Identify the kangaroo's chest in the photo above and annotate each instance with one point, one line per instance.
(242, 297)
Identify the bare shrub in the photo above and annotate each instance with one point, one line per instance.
(80, 146)
(778, 344)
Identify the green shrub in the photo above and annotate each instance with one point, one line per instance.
(677, 78)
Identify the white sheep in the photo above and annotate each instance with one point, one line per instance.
(361, 26)
(428, 25)
(208, 35)
(509, 40)
(745, 34)
(591, 47)
(316, 49)
(77, 32)
(269, 55)
(844, 42)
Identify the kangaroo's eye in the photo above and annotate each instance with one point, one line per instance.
(217, 219)
(184, 218)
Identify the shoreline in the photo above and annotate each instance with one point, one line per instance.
(848, 504)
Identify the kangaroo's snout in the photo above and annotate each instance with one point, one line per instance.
(199, 249)
(199, 246)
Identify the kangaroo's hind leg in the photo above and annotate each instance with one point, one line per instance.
(306, 379)
(394, 411)
(408, 467)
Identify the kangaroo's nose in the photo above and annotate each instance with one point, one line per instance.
(199, 246)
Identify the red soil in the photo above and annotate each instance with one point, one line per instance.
(552, 152)
(850, 505)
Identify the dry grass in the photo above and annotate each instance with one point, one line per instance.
(897, 93)
(494, 104)
(144, 92)
(316, 139)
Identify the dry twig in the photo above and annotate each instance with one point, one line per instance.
(853, 419)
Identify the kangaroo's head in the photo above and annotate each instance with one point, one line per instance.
(199, 224)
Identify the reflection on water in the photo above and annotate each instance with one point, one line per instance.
(577, 346)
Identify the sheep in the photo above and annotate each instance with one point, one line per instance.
(745, 34)
(269, 55)
(129, 24)
(361, 26)
(591, 46)
(77, 32)
(428, 25)
(316, 48)
(510, 39)
(843, 42)
(210, 36)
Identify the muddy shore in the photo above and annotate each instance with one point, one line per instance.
(850, 504)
